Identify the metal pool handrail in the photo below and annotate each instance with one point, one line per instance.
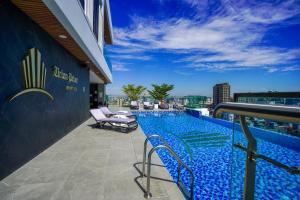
(172, 152)
(277, 113)
(145, 149)
(272, 112)
(291, 170)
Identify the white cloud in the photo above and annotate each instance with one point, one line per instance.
(130, 57)
(182, 72)
(119, 67)
(284, 69)
(292, 68)
(231, 40)
(271, 70)
(268, 13)
(121, 50)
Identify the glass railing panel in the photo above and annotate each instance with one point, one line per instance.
(108, 61)
(281, 144)
(238, 164)
(118, 100)
(273, 182)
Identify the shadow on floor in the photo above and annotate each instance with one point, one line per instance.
(140, 177)
(108, 127)
(186, 193)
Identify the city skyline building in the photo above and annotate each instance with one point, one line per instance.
(271, 97)
(221, 93)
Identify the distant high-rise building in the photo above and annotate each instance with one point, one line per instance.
(221, 93)
(276, 98)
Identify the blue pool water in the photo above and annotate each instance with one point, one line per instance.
(218, 167)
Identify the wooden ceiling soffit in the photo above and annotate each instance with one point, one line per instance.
(41, 15)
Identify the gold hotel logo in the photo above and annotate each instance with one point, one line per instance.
(34, 73)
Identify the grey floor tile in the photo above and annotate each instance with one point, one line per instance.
(87, 164)
(36, 191)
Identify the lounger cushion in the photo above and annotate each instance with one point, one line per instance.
(100, 117)
(119, 120)
(106, 111)
(97, 114)
(134, 103)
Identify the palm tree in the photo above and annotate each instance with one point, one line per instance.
(133, 92)
(160, 92)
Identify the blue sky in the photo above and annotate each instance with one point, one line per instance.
(194, 44)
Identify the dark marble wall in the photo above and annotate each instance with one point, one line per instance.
(32, 122)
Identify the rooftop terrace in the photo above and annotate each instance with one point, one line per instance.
(89, 163)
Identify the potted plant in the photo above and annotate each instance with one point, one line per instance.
(134, 93)
(160, 93)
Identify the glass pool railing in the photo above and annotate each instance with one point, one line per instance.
(107, 58)
(265, 164)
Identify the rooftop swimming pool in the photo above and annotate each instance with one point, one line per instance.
(206, 146)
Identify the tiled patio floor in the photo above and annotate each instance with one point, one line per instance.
(88, 163)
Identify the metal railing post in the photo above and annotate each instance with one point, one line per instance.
(178, 173)
(148, 194)
(270, 112)
(249, 185)
(145, 150)
(144, 156)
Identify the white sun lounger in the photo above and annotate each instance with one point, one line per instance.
(125, 124)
